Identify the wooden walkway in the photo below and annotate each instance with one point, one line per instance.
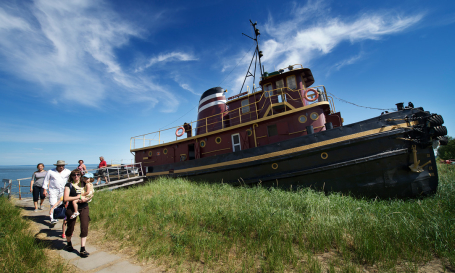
(122, 183)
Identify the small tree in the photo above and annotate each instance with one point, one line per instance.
(447, 151)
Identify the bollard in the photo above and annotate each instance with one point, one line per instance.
(328, 126)
(310, 130)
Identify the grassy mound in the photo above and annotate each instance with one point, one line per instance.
(19, 250)
(220, 227)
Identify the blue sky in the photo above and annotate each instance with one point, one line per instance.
(79, 78)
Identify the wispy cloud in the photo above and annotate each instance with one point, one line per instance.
(295, 42)
(184, 84)
(168, 57)
(312, 32)
(69, 48)
(345, 62)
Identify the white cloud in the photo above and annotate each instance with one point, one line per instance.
(68, 49)
(294, 42)
(168, 57)
(345, 62)
(312, 32)
(184, 84)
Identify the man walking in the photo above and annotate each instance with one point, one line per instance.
(56, 180)
(102, 171)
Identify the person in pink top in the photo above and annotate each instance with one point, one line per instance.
(82, 167)
(102, 171)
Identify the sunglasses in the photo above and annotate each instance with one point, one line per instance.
(76, 174)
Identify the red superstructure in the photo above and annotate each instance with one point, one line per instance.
(275, 112)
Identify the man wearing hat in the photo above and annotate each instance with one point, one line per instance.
(56, 180)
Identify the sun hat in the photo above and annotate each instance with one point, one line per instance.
(60, 162)
(88, 175)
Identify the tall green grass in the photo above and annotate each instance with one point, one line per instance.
(249, 229)
(19, 250)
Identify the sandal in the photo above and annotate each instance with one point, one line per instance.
(74, 215)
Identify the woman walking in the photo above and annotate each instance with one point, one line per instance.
(73, 190)
(36, 186)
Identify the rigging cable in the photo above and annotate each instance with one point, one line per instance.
(388, 109)
(218, 84)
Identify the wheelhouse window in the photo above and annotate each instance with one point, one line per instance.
(236, 142)
(292, 84)
(245, 106)
(272, 130)
(279, 85)
(267, 87)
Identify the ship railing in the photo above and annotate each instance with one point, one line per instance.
(245, 113)
(115, 171)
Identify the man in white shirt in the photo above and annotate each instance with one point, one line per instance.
(56, 180)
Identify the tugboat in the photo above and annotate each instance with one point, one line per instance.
(287, 134)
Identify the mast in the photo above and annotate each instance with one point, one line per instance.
(257, 55)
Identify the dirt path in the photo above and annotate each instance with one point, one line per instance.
(100, 258)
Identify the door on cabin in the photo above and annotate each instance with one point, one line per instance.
(236, 142)
(191, 154)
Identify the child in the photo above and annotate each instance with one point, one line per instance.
(51, 212)
(87, 191)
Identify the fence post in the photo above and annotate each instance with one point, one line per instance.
(9, 188)
(19, 183)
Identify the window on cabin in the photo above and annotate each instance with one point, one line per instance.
(267, 87)
(245, 106)
(279, 90)
(292, 84)
(236, 142)
(272, 130)
(279, 84)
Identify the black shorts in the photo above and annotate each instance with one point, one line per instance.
(38, 193)
(101, 173)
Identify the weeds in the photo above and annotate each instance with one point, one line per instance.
(253, 229)
(19, 250)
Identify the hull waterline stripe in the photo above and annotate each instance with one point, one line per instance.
(289, 151)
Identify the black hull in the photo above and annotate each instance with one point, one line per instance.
(371, 158)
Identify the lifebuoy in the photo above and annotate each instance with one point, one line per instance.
(177, 131)
(316, 94)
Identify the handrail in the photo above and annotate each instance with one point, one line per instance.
(7, 184)
(130, 172)
(266, 102)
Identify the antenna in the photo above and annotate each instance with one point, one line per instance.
(257, 55)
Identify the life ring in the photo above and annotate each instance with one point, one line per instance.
(316, 96)
(177, 131)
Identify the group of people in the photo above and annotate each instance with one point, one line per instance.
(71, 189)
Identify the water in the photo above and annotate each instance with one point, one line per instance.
(15, 172)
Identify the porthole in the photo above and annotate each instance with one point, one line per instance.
(314, 116)
(274, 166)
(202, 143)
(218, 140)
(302, 119)
(324, 155)
(150, 153)
(165, 151)
(249, 132)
